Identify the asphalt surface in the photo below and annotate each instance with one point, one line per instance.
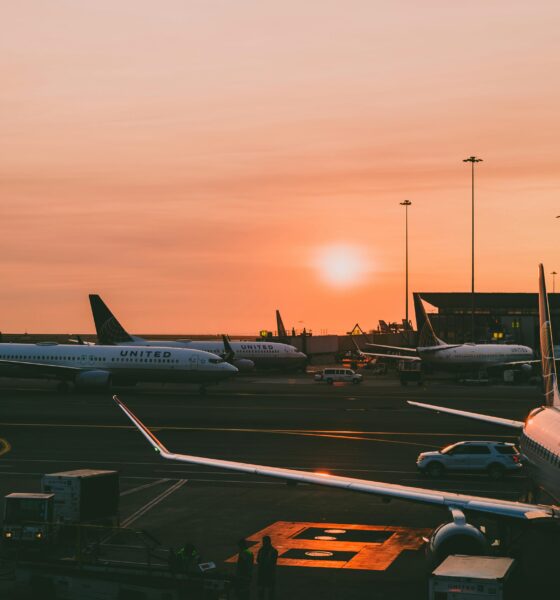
(366, 431)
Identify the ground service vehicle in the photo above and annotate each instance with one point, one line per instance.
(28, 517)
(494, 458)
(84, 496)
(333, 375)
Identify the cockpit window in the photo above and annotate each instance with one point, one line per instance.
(215, 361)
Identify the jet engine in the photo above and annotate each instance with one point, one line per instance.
(526, 368)
(457, 537)
(243, 364)
(93, 380)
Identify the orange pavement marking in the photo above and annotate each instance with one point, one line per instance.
(369, 556)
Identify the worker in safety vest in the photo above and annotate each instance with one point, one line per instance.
(188, 558)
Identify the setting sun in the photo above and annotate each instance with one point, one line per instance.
(342, 265)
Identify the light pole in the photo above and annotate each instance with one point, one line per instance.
(406, 204)
(472, 160)
(554, 273)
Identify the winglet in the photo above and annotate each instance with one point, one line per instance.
(109, 330)
(280, 325)
(152, 439)
(357, 347)
(550, 378)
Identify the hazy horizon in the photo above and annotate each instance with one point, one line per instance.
(201, 165)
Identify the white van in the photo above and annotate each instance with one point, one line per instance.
(332, 375)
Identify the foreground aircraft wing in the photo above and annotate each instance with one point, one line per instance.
(448, 500)
(471, 415)
(41, 369)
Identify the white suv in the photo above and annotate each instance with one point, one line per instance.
(332, 375)
(494, 458)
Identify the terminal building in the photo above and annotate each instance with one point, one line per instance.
(499, 317)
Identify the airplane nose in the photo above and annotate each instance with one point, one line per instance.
(301, 356)
(230, 368)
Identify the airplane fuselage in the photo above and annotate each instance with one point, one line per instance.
(539, 443)
(474, 356)
(122, 362)
(263, 354)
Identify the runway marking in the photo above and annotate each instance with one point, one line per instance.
(498, 493)
(154, 502)
(6, 446)
(339, 553)
(143, 487)
(249, 430)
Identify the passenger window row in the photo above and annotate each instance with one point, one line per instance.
(91, 358)
(543, 452)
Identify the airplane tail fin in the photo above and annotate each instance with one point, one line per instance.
(550, 378)
(280, 325)
(426, 334)
(229, 354)
(109, 330)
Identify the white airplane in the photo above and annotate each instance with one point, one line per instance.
(540, 437)
(439, 355)
(97, 367)
(245, 355)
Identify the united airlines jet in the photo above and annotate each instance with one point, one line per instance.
(436, 353)
(97, 367)
(540, 437)
(245, 355)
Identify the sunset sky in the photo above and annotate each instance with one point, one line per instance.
(201, 163)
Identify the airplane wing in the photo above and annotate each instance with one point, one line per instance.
(42, 369)
(470, 415)
(381, 355)
(393, 356)
(400, 348)
(433, 497)
(515, 363)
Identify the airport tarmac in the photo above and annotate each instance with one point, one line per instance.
(365, 431)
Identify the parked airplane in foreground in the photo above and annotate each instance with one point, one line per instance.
(540, 441)
(436, 353)
(245, 355)
(97, 367)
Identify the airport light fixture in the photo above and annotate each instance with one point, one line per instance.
(472, 160)
(406, 204)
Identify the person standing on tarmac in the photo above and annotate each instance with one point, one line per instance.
(266, 577)
(188, 559)
(244, 571)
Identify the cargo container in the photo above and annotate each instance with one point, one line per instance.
(462, 577)
(83, 495)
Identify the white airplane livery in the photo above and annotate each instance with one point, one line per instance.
(97, 367)
(436, 353)
(540, 442)
(245, 355)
